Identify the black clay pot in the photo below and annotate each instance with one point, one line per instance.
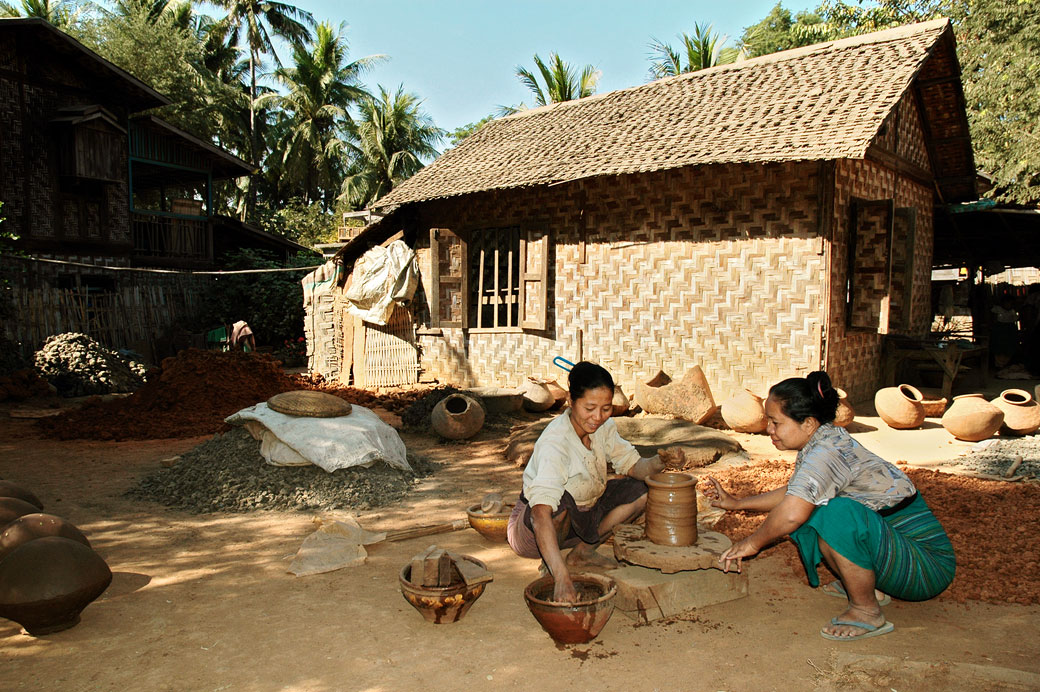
(29, 527)
(11, 508)
(9, 489)
(46, 583)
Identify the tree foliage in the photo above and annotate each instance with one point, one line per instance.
(461, 133)
(697, 51)
(560, 82)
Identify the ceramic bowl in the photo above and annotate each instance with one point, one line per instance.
(572, 623)
(441, 604)
(490, 526)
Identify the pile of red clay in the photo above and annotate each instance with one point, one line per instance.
(990, 523)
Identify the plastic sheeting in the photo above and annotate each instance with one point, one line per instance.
(337, 543)
(357, 439)
(382, 276)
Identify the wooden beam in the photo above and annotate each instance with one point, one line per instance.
(900, 165)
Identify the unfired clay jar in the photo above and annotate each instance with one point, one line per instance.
(11, 508)
(744, 413)
(572, 623)
(9, 489)
(29, 527)
(537, 396)
(671, 509)
(972, 418)
(558, 392)
(1021, 413)
(900, 407)
(845, 413)
(46, 583)
(934, 408)
(619, 402)
(457, 417)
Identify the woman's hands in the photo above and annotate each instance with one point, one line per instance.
(564, 591)
(737, 552)
(719, 497)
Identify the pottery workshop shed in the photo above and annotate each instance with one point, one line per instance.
(761, 220)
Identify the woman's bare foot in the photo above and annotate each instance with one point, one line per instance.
(869, 616)
(585, 555)
(835, 588)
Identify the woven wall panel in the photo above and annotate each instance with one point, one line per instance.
(391, 354)
(911, 142)
(717, 266)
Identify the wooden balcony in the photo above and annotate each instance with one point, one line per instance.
(171, 239)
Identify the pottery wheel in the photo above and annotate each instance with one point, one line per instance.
(632, 545)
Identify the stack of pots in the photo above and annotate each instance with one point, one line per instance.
(48, 571)
(900, 407)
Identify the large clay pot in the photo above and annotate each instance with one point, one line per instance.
(572, 623)
(441, 604)
(457, 417)
(671, 509)
(900, 407)
(46, 583)
(537, 396)
(845, 413)
(745, 413)
(619, 402)
(9, 489)
(29, 527)
(972, 418)
(1021, 413)
(11, 508)
(558, 392)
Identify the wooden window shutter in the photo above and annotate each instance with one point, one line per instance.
(449, 263)
(534, 278)
(869, 264)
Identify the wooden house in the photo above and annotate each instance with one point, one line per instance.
(762, 220)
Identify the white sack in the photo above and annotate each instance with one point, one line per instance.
(337, 543)
(357, 439)
(382, 276)
(320, 281)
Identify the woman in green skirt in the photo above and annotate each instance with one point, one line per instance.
(847, 507)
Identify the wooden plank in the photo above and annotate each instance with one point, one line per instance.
(471, 572)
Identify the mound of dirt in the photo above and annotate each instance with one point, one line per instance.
(990, 524)
(23, 384)
(79, 366)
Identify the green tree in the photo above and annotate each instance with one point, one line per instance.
(778, 31)
(461, 133)
(391, 137)
(562, 82)
(701, 50)
(318, 90)
(61, 13)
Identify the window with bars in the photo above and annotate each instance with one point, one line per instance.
(494, 278)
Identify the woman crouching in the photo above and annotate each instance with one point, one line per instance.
(847, 507)
(567, 501)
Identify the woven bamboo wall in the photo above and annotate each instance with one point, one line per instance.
(324, 333)
(719, 266)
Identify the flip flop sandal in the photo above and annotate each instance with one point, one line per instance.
(870, 630)
(839, 592)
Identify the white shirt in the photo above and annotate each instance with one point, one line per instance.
(560, 462)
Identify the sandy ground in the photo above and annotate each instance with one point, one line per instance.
(204, 602)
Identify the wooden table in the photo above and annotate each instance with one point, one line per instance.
(949, 356)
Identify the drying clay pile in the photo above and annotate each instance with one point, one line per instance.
(228, 474)
(23, 384)
(48, 571)
(991, 525)
(79, 366)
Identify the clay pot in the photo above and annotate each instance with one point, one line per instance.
(441, 604)
(934, 408)
(9, 489)
(558, 392)
(972, 418)
(1021, 413)
(658, 380)
(496, 400)
(900, 407)
(457, 417)
(572, 623)
(491, 526)
(745, 413)
(619, 402)
(29, 527)
(11, 508)
(845, 413)
(537, 396)
(47, 582)
(671, 509)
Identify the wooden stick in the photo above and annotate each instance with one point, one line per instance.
(405, 534)
(1014, 467)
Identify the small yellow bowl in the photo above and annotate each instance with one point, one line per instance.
(490, 526)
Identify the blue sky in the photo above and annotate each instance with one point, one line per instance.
(460, 56)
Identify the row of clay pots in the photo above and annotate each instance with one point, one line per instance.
(969, 418)
(48, 571)
(746, 413)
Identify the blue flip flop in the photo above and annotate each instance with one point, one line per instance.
(871, 630)
(839, 592)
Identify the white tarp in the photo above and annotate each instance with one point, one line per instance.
(382, 276)
(357, 439)
(320, 281)
(338, 542)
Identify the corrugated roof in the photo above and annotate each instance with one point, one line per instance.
(821, 102)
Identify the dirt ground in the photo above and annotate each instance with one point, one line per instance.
(204, 602)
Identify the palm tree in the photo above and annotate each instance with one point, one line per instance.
(562, 82)
(59, 13)
(391, 138)
(701, 50)
(318, 92)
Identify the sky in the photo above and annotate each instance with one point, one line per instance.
(460, 56)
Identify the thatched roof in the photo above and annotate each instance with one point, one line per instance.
(822, 102)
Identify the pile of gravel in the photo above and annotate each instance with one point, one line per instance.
(995, 456)
(227, 474)
(79, 366)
